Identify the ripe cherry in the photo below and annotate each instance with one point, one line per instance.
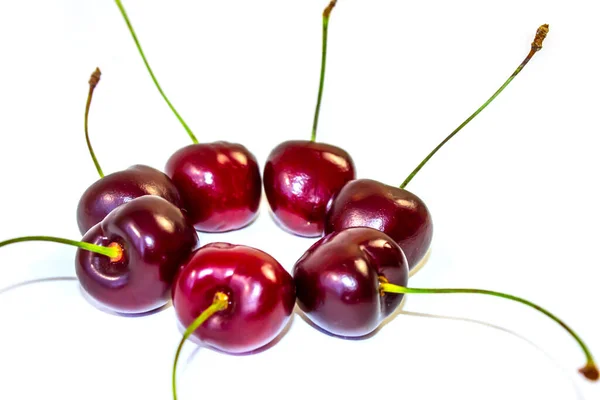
(396, 211)
(128, 261)
(349, 281)
(219, 182)
(301, 176)
(113, 190)
(234, 298)
(339, 274)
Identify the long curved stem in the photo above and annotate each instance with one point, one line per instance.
(536, 45)
(220, 302)
(114, 251)
(590, 370)
(139, 47)
(326, 14)
(94, 79)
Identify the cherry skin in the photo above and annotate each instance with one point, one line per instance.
(397, 212)
(261, 296)
(337, 280)
(300, 178)
(155, 238)
(219, 182)
(117, 188)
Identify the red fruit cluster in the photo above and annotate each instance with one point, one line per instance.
(140, 246)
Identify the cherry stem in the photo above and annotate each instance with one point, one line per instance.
(590, 371)
(114, 251)
(326, 14)
(94, 79)
(139, 47)
(220, 303)
(536, 45)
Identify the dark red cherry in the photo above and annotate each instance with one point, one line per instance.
(155, 239)
(300, 178)
(117, 188)
(260, 293)
(219, 182)
(399, 213)
(344, 282)
(337, 280)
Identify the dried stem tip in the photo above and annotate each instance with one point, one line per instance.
(590, 372)
(328, 9)
(95, 78)
(540, 35)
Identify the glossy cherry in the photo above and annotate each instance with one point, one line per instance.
(127, 263)
(399, 213)
(396, 211)
(349, 281)
(337, 280)
(260, 292)
(117, 188)
(301, 176)
(156, 239)
(219, 182)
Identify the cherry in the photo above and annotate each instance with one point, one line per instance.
(261, 296)
(301, 176)
(339, 273)
(396, 211)
(219, 182)
(349, 281)
(233, 298)
(127, 263)
(113, 190)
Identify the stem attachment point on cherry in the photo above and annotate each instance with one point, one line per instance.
(590, 370)
(536, 45)
(94, 80)
(326, 14)
(114, 250)
(220, 303)
(164, 96)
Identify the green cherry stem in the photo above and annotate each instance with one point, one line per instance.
(114, 251)
(590, 371)
(94, 79)
(326, 14)
(536, 45)
(139, 47)
(220, 303)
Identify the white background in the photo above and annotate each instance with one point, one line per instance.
(513, 196)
